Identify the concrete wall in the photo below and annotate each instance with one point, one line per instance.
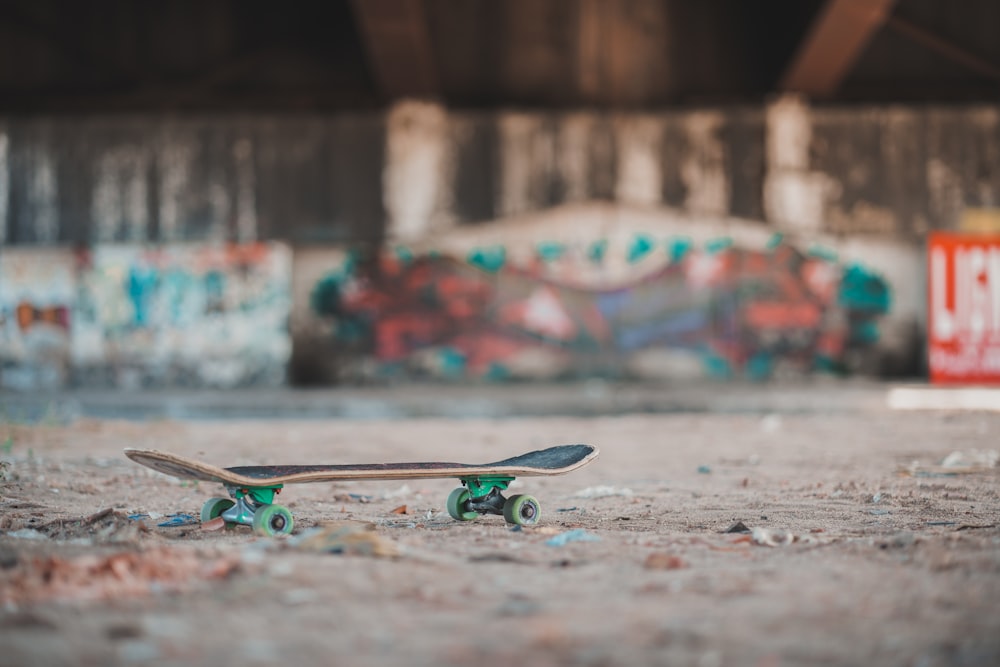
(132, 316)
(37, 293)
(354, 195)
(202, 179)
(608, 290)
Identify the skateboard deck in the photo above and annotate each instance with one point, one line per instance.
(252, 488)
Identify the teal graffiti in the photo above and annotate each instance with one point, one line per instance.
(215, 285)
(865, 332)
(550, 251)
(497, 372)
(489, 259)
(181, 297)
(861, 289)
(827, 364)
(717, 366)
(404, 255)
(451, 362)
(678, 248)
(759, 366)
(325, 296)
(819, 252)
(597, 251)
(142, 284)
(715, 246)
(641, 246)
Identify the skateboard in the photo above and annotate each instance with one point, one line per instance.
(252, 488)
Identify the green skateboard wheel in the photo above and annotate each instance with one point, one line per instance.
(456, 505)
(213, 507)
(522, 510)
(272, 520)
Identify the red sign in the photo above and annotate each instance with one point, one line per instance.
(964, 307)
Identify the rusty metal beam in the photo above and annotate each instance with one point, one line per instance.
(949, 50)
(398, 46)
(835, 40)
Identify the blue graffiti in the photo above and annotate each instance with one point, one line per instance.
(141, 287)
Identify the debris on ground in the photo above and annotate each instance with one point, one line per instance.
(353, 498)
(534, 530)
(898, 541)
(28, 534)
(402, 509)
(110, 577)
(664, 561)
(397, 493)
(519, 605)
(179, 519)
(738, 527)
(577, 535)
(704, 470)
(768, 537)
(105, 526)
(771, 423)
(592, 492)
(956, 463)
(498, 557)
(345, 537)
(976, 459)
(218, 523)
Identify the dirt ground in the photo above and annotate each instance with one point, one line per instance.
(874, 540)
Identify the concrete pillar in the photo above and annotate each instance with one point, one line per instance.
(413, 181)
(245, 195)
(795, 197)
(703, 169)
(527, 161)
(174, 157)
(119, 207)
(640, 173)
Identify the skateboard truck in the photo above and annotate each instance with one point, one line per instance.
(254, 507)
(484, 495)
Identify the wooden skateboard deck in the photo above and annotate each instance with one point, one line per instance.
(253, 488)
(552, 461)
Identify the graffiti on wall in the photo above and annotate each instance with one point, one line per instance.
(134, 316)
(729, 311)
(183, 315)
(36, 294)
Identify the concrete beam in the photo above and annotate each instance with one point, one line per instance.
(833, 44)
(399, 48)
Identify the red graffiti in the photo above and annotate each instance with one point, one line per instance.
(29, 315)
(744, 308)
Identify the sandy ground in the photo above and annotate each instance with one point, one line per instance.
(863, 550)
